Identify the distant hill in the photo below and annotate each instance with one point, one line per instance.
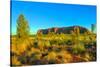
(65, 30)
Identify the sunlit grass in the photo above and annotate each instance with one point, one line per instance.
(53, 50)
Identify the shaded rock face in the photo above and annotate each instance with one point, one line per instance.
(65, 30)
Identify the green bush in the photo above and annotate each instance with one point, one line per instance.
(78, 49)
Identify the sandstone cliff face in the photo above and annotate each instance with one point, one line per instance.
(65, 30)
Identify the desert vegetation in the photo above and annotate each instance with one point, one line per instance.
(51, 48)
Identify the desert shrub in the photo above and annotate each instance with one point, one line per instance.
(69, 49)
(41, 45)
(30, 59)
(33, 50)
(91, 45)
(14, 48)
(58, 49)
(44, 54)
(93, 55)
(36, 55)
(23, 59)
(35, 45)
(14, 61)
(53, 42)
(51, 55)
(47, 44)
(69, 42)
(65, 55)
(60, 42)
(21, 48)
(50, 48)
(78, 49)
(29, 48)
(86, 57)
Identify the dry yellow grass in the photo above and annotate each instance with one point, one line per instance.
(15, 61)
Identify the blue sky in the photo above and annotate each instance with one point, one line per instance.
(46, 15)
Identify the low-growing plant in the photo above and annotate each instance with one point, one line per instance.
(78, 49)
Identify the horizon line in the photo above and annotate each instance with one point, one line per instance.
(32, 33)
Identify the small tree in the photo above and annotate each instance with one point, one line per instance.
(22, 29)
